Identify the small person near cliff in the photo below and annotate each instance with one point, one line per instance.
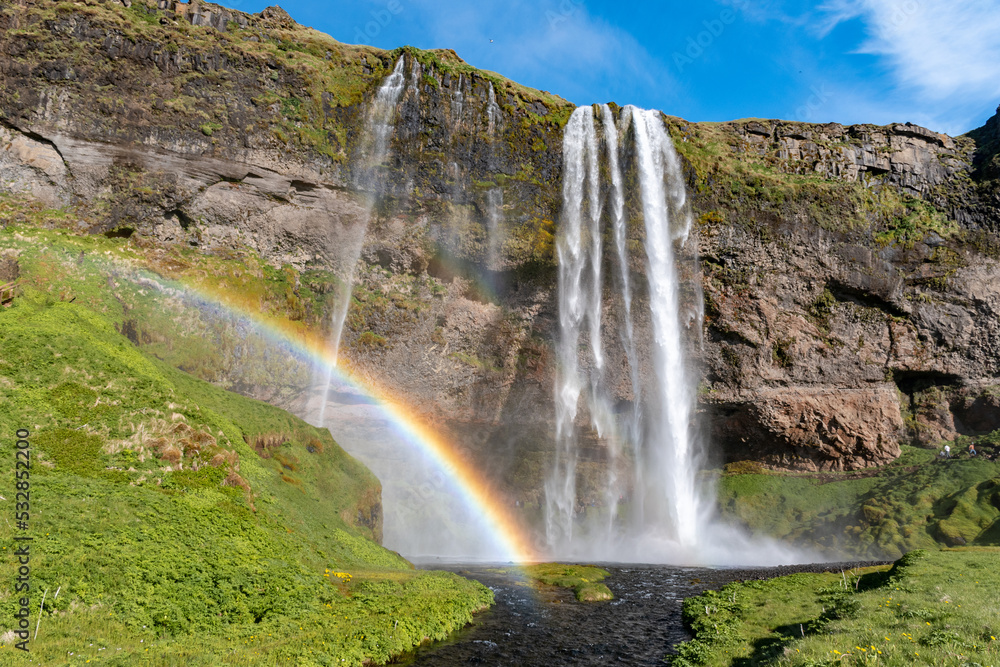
(972, 449)
(946, 452)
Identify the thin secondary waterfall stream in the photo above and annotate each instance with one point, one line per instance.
(426, 513)
(494, 197)
(378, 132)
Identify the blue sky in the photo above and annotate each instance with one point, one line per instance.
(932, 62)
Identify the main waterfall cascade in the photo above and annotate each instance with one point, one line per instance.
(653, 506)
(654, 434)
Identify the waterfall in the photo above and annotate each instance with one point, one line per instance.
(664, 504)
(416, 74)
(379, 128)
(492, 110)
(674, 460)
(494, 197)
(580, 228)
(626, 330)
(426, 508)
(494, 218)
(458, 100)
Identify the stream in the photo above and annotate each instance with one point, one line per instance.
(545, 626)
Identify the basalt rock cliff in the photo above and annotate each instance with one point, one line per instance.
(850, 275)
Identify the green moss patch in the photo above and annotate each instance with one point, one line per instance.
(756, 189)
(919, 502)
(593, 593)
(71, 450)
(584, 580)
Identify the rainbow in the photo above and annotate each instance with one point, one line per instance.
(474, 489)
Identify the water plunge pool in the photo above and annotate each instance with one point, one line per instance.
(534, 625)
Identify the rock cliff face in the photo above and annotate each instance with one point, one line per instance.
(834, 312)
(850, 275)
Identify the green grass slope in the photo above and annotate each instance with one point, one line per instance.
(182, 524)
(921, 501)
(931, 608)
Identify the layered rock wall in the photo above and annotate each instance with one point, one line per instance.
(850, 276)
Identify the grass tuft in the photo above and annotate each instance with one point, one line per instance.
(584, 580)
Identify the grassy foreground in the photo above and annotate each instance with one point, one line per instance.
(175, 523)
(931, 608)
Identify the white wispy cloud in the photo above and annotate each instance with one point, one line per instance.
(580, 56)
(763, 11)
(941, 48)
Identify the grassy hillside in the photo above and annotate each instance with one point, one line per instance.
(930, 608)
(183, 524)
(921, 501)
